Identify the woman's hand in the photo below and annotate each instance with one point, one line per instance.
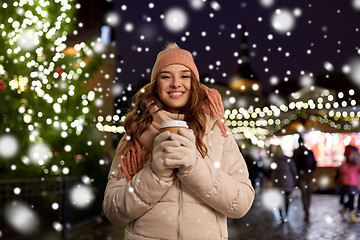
(159, 163)
(182, 156)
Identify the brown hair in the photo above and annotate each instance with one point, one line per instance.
(146, 98)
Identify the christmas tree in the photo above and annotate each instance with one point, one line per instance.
(48, 112)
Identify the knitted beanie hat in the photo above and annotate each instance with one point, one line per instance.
(174, 55)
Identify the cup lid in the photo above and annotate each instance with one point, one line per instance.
(174, 123)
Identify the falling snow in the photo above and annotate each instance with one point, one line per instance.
(81, 196)
(176, 20)
(22, 217)
(354, 71)
(197, 4)
(267, 3)
(285, 43)
(283, 20)
(282, 32)
(9, 145)
(272, 199)
(28, 40)
(39, 153)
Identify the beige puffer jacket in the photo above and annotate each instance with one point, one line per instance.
(195, 206)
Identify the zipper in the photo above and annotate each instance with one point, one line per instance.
(179, 209)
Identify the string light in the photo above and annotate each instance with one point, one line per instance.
(44, 73)
(256, 124)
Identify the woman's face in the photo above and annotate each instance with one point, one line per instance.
(173, 86)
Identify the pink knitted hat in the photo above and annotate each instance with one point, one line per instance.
(174, 55)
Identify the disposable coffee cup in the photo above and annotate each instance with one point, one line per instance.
(173, 126)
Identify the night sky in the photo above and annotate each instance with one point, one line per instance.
(324, 37)
(315, 38)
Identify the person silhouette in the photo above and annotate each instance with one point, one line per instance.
(349, 180)
(305, 164)
(283, 177)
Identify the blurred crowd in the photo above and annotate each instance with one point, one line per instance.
(271, 169)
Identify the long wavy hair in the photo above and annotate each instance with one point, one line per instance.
(147, 97)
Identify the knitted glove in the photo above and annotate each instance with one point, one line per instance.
(183, 156)
(158, 164)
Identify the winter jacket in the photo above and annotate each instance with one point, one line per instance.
(304, 160)
(283, 176)
(192, 206)
(349, 174)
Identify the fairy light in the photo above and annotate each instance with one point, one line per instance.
(46, 80)
(256, 123)
(24, 36)
(19, 83)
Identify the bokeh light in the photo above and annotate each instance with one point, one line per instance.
(276, 99)
(176, 20)
(57, 226)
(306, 81)
(272, 199)
(81, 196)
(354, 70)
(39, 153)
(129, 27)
(356, 4)
(9, 145)
(21, 217)
(215, 5)
(282, 21)
(28, 40)
(267, 3)
(196, 4)
(328, 66)
(112, 19)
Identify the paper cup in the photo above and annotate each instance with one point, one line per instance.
(172, 126)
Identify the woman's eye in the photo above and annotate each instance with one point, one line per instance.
(164, 77)
(185, 76)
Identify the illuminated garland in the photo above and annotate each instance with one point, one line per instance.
(256, 124)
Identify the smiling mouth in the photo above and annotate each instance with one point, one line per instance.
(176, 94)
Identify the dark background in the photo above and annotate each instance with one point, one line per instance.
(327, 28)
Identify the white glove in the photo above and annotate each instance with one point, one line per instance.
(184, 155)
(159, 156)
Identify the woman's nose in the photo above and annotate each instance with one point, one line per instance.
(175, 82)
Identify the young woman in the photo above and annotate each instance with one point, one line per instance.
(177, 186)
